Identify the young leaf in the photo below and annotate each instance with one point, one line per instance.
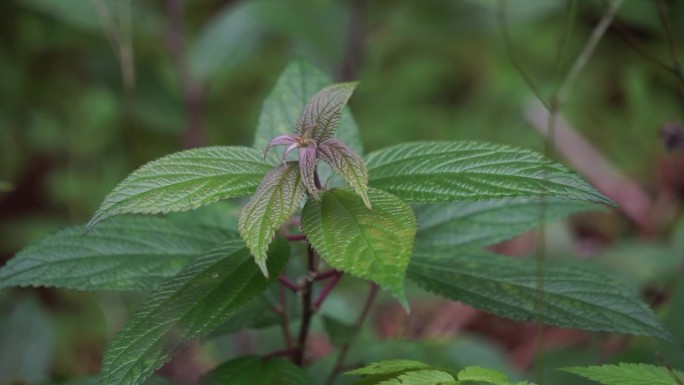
(277, 198)
(484, 223)
(629, 374)
(125, 253)
(569, 297)
(253, 370)
(298, 83)
(370, 244)
(467, 171)
(347, 164)
(482, 375)
(322, 113)
(184, 181)
(209, 290)
(389, 367)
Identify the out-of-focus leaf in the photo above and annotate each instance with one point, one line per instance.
(643, 263)
(370, 244)
(228, 39)
(298, 83)
(253, 370)
(93, 380)
(277, 198)
(26, 344)
(189, 305)
(629, 374)
(482, 375)
(389, 367)
(126, 253)
(469, 171)
(184, 181)
(79, 13)
(484, 223)
(570, 297)
(6, 186)
(338, 332)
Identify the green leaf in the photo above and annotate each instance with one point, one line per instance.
(201, 297)
(466, 171)
(296, 86)
(478, 374)
(126, 253)
(628, 374)
(347, 164)
(423, 377)
(338, 332)
(484, 223)
(227, 40)
(370, 244)
(184, 181)
(389, 367)
(278, 197)
(253, 370)
(321, 115)
(570, 297)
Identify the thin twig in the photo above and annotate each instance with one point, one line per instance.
(282, 315)
(326, 291)
(307, 309)
(344, 349)
(296, 237)
(193, 94)
(326, 274)
(288, 284)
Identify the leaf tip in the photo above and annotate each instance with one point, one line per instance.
(261, 262)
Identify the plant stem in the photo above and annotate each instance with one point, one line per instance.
(326, 290)
(327, 274)
(282, 315)
(296, 237)
(307, 309)
(344, 349)
(288, 284)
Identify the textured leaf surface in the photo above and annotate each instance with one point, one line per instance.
(462, 171)
(628, 374)
(478, 374)
(322, 112)
(484, 223)
(298, 83)
(125, 253)
(254, 370)
(422, 377)
(346, 164)
(186, 180)
(389, 367)
(209, 290)
(370, 244)
(570, 297)
(277, 198)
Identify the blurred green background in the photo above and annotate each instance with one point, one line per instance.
(92, 89)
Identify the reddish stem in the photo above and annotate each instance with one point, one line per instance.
(326, 291)
(288, 284)
(296, 237)
(327, 274)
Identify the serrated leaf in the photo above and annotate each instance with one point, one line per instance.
(201, 297)
(628, 374)
(467, 171)
(570, 297)
(297, 84)
(253, 370)
(478, 374)
(484, 223)
(389, 367)
(126, 253)
(370, 244)
(184, 181)
(422, 377)
(276, 199)
(347, 164)
(321, 115)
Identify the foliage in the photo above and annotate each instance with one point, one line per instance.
(629, 374)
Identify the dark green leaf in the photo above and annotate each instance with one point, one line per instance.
(184, 181)
(370, 244)
(296, 86)
(466, 171)
(569, 297)
(126, 253)
(253, 370)
(339, 332)
(629, 374)
(201, 297)
(346, 164)
(278, 197)
(389, 367)
(484, 223)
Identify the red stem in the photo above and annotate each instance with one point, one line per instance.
(326, 291)
(288, 284)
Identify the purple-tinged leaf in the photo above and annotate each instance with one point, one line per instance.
(282, 140)
(307, 164)
(276, 199)
(346, 164)
(322, 113)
